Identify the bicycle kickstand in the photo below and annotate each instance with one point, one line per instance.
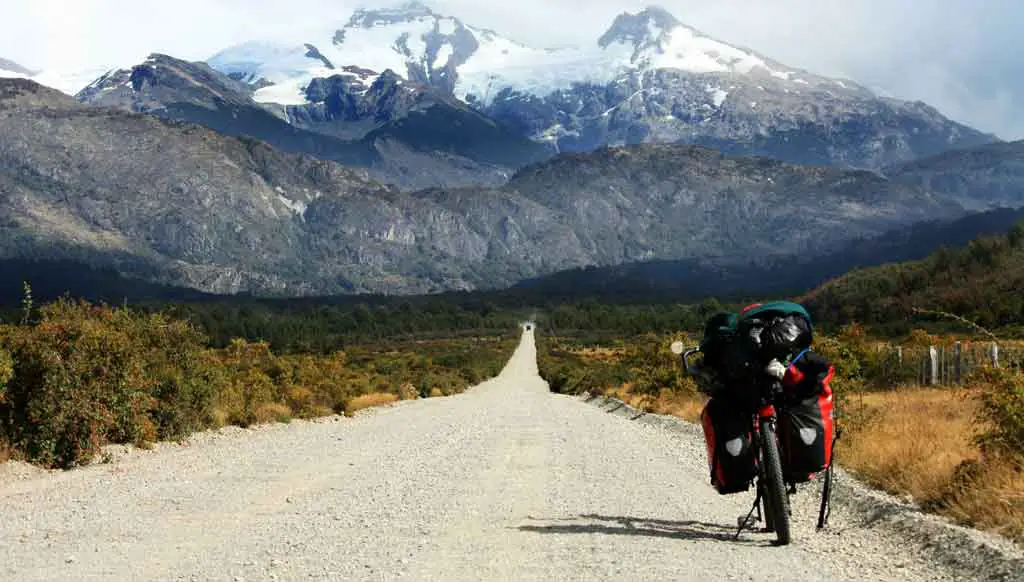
(746, 521)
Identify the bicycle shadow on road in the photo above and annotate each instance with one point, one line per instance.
(640, 526)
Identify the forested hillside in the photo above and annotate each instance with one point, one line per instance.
(980, 282)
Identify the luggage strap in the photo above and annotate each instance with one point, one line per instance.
(800, 356)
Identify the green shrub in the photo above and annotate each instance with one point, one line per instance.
(79, 380)
(6, 371)
(1002, 410)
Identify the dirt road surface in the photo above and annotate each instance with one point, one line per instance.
(505, 482)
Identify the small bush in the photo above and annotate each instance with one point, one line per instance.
(6, 371)
(1002, 411)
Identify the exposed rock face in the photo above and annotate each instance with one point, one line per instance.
(182, 204)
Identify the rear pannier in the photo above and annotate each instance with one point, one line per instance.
(730, 447)
(806, 423)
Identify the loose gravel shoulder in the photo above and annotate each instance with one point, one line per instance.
(506, 482)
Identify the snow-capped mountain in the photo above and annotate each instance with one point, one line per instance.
(477, 64)
(648, 78)
(405, 134)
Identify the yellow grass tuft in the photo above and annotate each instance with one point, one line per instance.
(436, 393)
(408, 392)
(272, 412)
(369, 401)
(219, 417)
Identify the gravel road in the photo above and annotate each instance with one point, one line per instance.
(506, 482)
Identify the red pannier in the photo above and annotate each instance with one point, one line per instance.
(730, 447)
(806, 420)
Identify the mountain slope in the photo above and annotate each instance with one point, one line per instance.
(178, 203)
(686, 201)
(181, 204)
(979, 178)
(697, 279)
(648, 79)
(385, 126)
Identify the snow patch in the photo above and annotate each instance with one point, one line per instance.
(291, 92)
(718, 96)
(443, 54)
(296, 206)
(446, 26)
(72, 82)
(273, 62)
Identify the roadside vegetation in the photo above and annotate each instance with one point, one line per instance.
(76, 376)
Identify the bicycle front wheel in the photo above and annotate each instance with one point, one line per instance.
(776, 498)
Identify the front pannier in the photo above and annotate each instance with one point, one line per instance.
(730, 447)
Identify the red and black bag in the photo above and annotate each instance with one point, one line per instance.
(730, 447)
(806, 421)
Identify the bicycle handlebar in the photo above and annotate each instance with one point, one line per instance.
(686, 361)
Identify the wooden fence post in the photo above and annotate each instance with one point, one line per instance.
(943, 367)
(958, 363)
(995, 355)
(899, 355)
(933, 366)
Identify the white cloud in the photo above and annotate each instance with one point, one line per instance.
(960, 55)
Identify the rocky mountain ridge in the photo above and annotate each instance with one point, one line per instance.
(403, 134)
(177, 203)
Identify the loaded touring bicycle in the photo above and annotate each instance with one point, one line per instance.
(769, 423)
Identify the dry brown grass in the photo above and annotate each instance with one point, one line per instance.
(921, 442)
(273, 412)
(915, 440)
(600, 354)
(685, 405)
(369, 401)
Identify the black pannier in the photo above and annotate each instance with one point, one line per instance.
(806, 420)
(729, 446)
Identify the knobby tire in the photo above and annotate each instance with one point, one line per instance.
(776, 499)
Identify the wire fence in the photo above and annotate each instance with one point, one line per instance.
(942, 365)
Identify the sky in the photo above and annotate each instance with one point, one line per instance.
(962, 56)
